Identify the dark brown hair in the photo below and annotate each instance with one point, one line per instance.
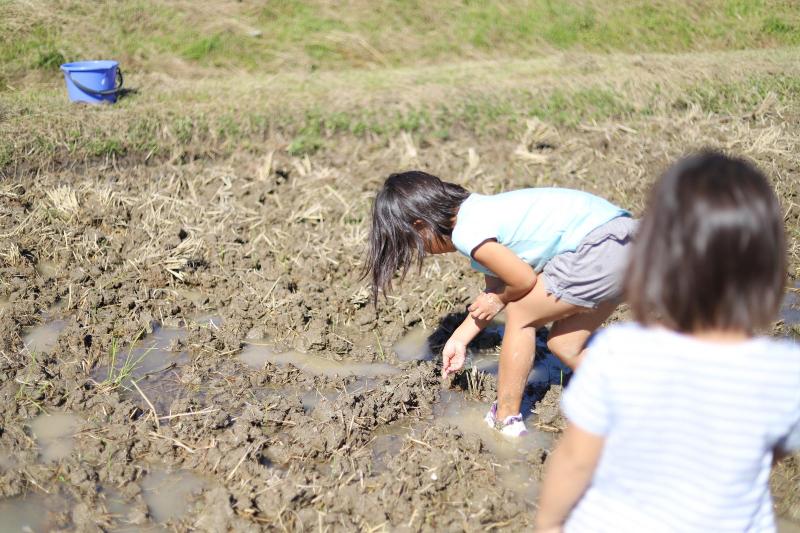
(394, 243)
(710, 252)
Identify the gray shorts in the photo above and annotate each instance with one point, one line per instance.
(595, 271)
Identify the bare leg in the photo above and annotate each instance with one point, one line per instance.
(568, 336)
(516, 359)
(516, 353)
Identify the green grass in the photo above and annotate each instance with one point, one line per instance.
(147, 35)
(202, 47)
(569, 108)
(119, 376)
(381, 353)
(726, 98)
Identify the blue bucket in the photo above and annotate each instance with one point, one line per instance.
(93, 82)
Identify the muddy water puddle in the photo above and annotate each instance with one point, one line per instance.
(152, 366)
(123, 515)
(414, 346)
(34, 512)
(387, 442)
(168, 495)
(54, 434)
(518, 461)
(257, 353)
(515, 469)
(44, 338)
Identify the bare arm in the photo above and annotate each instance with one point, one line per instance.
(454, 352)
(517, 276)
(471, 326)
(469, 329)
(569, 471)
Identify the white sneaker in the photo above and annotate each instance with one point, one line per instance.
(512, 426)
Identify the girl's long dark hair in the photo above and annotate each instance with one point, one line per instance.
(395, 243)
(711, 250)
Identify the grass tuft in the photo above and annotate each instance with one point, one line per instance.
(50, 59)
(119, 375)
(202, 47)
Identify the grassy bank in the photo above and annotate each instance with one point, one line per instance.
(302, 114)
(211, 78)
(189, 37)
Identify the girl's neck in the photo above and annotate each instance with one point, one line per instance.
(722, 336)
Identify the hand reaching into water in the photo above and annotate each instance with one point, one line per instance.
(486, 306)
(453, 355)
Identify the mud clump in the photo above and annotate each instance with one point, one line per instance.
(441, 464)
(548, 412)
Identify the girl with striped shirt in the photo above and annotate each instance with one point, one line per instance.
(675, 420)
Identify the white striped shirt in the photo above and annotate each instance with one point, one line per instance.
(690, 427)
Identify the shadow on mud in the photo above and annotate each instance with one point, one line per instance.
(479, 377)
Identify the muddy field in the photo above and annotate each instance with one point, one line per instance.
(189, 345)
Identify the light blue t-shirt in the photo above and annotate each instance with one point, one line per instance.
(536, 224)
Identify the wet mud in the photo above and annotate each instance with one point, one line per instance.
(190, 347)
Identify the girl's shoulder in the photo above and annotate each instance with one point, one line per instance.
(633, 353)
(635, 339)
(624, 333)
(780, 346)
(620, 341)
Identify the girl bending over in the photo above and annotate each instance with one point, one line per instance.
(547, 254)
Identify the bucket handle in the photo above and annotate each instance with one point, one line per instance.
(86, 89)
